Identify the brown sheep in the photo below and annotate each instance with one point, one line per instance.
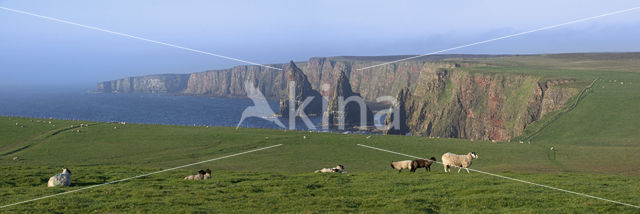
(422, 163)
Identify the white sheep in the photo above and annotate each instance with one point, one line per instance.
(463, 161)
(338, 169)
(62, 179)
(198, 176)
(400, 165)
(304, 137)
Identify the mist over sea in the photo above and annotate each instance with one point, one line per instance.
(82, 104)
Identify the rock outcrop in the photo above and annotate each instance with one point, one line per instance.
(449, 102)
(351, 116)
(299, 85)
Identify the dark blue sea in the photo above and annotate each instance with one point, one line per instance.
(82, 104)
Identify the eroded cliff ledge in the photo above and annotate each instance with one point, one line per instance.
(458, 103)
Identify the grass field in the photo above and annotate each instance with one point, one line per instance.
(280, 179)
(597, 155)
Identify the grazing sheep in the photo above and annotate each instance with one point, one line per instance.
(207, 174)
(464, 161)
(198, 176)
(62, 179)
(369, 137)
(16, 158)
(422, 163)
(304, 137)
(400, 165)
(338, 169)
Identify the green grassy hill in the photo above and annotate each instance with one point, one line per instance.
(281, 178)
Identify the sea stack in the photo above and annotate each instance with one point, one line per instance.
(302, 90)
(400, 127)
(352, 110)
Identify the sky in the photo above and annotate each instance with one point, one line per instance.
(39, 52)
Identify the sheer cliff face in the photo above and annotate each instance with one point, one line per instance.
(388, 79)
(449, 102)
(163, 83)
(230, 82)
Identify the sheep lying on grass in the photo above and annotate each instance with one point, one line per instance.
(464, 161)
(198, 176)
(338, 169)
(400, 165)
(207, 174)
(63, 179)
(422, 163)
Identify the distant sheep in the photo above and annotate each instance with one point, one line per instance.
(464, 161)
(198, 176)
(16, 158)
(338, 169)
(63, 179)
(400, 165)
(304, 137)
(422, 163)
(207, 174)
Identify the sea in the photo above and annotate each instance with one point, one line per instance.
(84, 104)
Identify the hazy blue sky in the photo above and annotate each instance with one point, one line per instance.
(35, 51)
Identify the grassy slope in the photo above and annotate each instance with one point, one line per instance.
(279, 179)
(596, 140)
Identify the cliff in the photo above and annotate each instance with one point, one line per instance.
(438, 97)
(161, 83)
(388, 79)
(451, 102)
